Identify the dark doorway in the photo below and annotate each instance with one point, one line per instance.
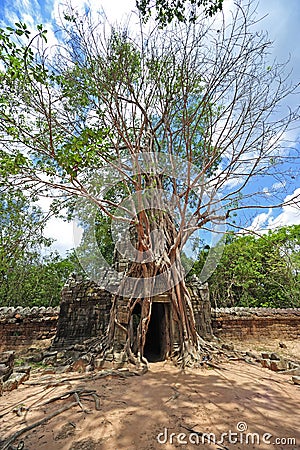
(155, 346)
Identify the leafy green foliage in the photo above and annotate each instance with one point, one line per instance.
(168, 10)
(53, 146)
(258, 271)
(21, 227)
(37, 282)
(96, 241)
(27, 278)
(17, 56)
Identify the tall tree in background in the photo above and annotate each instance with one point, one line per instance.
(148, 128)
(21, 237)
(30, 272)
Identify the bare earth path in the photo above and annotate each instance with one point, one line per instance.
(142, 412)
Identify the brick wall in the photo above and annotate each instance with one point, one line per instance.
(256, 323)
(23, 327)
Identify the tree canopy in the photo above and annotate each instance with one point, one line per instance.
(183, 10)
(192, 92)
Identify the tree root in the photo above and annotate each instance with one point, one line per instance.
(6, 444)
(204, 354)
(123, 373)
(200, 354)
(79, 394)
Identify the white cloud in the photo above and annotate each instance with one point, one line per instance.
(27, 11)
(279, 185)
(57, 229)
(267, 192)
(260, 221)
(289, 215)
(62, 232)
(115, 10)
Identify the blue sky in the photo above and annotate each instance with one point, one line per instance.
(282, 25)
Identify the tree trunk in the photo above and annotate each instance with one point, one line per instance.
(159, 260)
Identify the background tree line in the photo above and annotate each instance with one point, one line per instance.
(257, 270)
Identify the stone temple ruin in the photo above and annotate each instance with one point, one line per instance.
(86, 305)
(85, 311)
(84, 314)
(83, 317)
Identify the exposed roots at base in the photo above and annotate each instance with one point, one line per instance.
(99, 355)
(205, 354)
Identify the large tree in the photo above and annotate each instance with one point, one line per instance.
(162, 131)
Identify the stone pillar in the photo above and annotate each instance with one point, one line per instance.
(84, 312)
(201, 306)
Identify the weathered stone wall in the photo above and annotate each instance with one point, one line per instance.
(201, 307)
(22, 327)
(86, 314)
(256, 323)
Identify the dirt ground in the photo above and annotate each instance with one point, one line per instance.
(242, 406)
